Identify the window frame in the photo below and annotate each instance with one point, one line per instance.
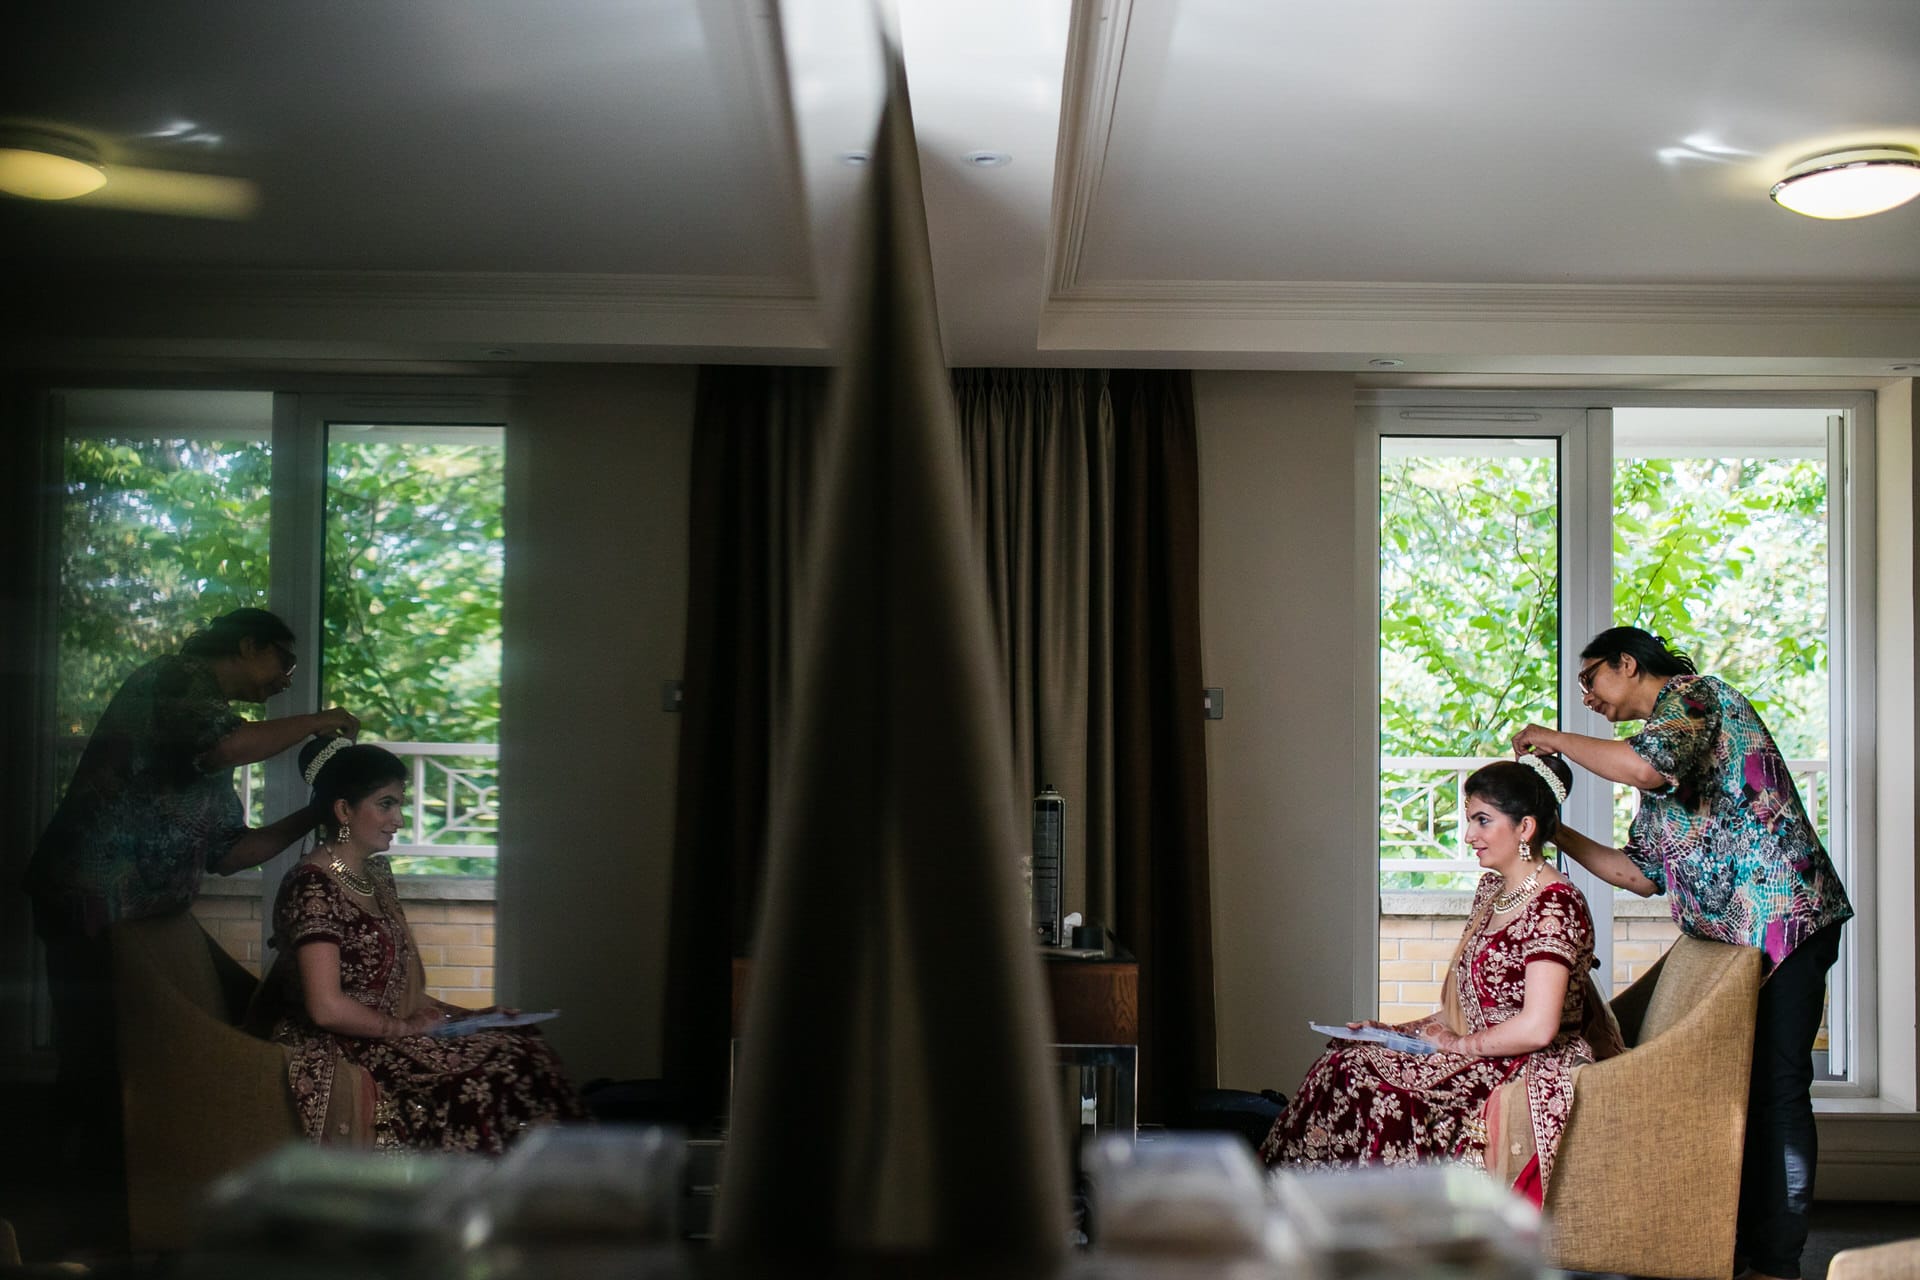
(302, 423)
(1852, 518)
(302, 406)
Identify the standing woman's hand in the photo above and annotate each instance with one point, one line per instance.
(1536, 739)
(338, 720)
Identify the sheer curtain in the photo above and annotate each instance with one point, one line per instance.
(1083, 497)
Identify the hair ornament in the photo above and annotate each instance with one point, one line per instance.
(1539, 766)
(325, 754)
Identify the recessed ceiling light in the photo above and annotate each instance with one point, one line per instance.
(1850, 184)
(42, 165)
(1385, 362)
(987, 159)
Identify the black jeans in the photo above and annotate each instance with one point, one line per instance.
(1776, 1183)
(87, 1088)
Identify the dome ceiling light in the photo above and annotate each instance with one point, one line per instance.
(40, 165)
(1854, 183)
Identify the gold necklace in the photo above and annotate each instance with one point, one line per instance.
(360, 884)
(1514, 897)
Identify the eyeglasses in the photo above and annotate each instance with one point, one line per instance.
(1585, 678)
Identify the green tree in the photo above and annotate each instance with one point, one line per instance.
(414, 558)
(158, 536)
(1725, 556)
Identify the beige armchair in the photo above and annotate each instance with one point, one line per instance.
(1899, 1260)
(1648, 1174)
(201, 1097)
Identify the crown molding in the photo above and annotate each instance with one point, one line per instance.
(1689, 329)
(486, 290)
(1364, 300)
(426, 311)
(1096, 50)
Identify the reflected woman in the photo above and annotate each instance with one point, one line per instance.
(150, 810)
(347, 993)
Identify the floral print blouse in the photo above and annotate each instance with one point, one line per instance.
(1727, 838)
(142, 819)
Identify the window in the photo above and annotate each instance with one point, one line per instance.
(1509, 535)
(372, 523)
(1469, 632)
(1722, 543)
(163, 499)
(411, 617)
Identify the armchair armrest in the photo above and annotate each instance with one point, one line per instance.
(200, 1099)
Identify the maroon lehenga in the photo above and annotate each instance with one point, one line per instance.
(476, 1092)
(1362, 1103)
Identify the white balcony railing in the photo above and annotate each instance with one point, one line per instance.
(1421, 798)
(454, 799)
(453, 796)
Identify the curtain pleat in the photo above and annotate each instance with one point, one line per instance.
(1084, 489)
(755, 445)
(1162, 883)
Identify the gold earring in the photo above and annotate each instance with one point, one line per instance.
(1526, 850)
(344, 834)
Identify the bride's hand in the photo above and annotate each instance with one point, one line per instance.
(1378, 1026)
(425, 1020)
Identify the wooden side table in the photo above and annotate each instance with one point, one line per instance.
(1096, 1027)
(1095, 1010)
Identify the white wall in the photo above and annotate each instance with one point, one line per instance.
(595, 609)
(1281, 616)
(595, 605)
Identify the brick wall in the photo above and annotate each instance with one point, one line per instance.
(453, 921)
(1418, 932)
(451, 917)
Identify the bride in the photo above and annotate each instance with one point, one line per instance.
(347, 992)
(1519, 1013)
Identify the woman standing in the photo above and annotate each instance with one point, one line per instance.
(1518, 1017)
(151, 808)
(1721, 831)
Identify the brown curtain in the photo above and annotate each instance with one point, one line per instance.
(1084, 489)
(755, 445)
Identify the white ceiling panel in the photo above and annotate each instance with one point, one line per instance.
(1468, 187)
(642, 137)
(1498, 141)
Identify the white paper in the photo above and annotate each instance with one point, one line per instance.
(1391, 1039)
(482, 1021)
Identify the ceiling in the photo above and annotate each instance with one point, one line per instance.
(1535, 187)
